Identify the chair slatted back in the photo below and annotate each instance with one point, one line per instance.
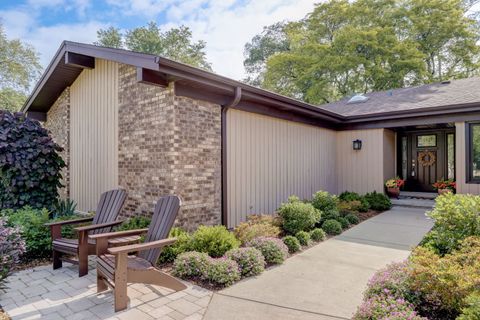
(164, 216)
(109, 206)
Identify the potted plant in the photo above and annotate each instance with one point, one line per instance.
(444, 186)
(393, 186)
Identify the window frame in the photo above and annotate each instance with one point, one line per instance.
(469, 152)
(426, 135)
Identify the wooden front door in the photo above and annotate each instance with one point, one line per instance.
(424, 158)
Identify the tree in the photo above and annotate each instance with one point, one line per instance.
(19, 67)
(175, 44)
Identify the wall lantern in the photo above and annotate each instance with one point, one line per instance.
(357, 144)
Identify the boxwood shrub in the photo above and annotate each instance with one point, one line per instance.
(214, 240)
(292, 244)
(303, 237)
(344, 222)
(352, 218)
(324, 201)
(298, 216)
(332, 227)
(317, 235)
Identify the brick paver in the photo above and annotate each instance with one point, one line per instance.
(43, 293)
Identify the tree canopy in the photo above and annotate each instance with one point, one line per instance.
(345, 47)
(175, 44)
(19, 68)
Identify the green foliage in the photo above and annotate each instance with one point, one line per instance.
(12, 247)
(183, 244)
(29, 163)
(134, 223)
(378, 201)
(175, 43)
(298, 216)
(273, 249)
(472, 309)
(352, 218)
(348, 201)
(63, 208)
(318, 235)
(257, 226)
(303, 237)
(349, 196)
(191, 265)
(324, 201)
(456, 217)
(11, 99)
(250, 260)
(214, 240)
(332, 227)
(222, 272)
(292, 244)
(344, 222)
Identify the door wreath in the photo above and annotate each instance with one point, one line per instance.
(426, 158)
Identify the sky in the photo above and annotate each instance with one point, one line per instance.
(225, 25)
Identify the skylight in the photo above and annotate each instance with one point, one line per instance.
(357, 98)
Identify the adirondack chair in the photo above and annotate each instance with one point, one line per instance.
(104, 219)
(116, 268)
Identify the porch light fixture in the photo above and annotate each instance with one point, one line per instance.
(357, 144)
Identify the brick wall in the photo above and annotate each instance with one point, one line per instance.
(58, 123)
(168, 145)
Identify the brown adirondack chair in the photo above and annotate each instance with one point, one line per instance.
(116, 268)
(104, 219)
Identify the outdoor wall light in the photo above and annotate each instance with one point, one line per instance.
(357, 144)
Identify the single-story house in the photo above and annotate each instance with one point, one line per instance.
(154, 126)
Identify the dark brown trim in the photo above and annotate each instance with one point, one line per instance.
(148, 76)
(79, 60)
(39, 116)
(469, 179)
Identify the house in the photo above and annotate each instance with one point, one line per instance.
(154, 126)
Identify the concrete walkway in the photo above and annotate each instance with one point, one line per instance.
(326, 281)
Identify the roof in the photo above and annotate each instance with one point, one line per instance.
(449, 93)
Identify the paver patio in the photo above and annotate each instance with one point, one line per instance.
(43, 293)
(326, 281)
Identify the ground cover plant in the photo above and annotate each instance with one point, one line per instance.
(12, 247)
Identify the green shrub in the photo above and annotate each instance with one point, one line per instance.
(30, 164)
(214, 240)
(169, 253)
(344, 222)
(257, 226)
(332, 227)
(222, 271)
(324, 201)
(273, 250)
(318, 235)
(298, 216)
(63, 208)
(292, 244)
(134, 223)
(353, 196)
(303, 237)
(329, 215)
(250, 260)
(352, 218)
(378, 201)
(456, 217)
(472, 309)
(191, 265)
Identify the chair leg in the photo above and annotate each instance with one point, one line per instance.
(57, 262)
(82, 254)
(101, 285)
(120, 290)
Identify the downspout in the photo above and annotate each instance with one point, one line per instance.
(225, 107)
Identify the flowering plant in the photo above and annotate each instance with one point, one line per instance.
(394, 183)
(445, 184)
(12, 246)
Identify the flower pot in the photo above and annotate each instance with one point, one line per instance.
(442, 191)
(393, 192)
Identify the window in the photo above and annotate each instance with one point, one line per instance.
(404, 158)
(472, 139)
(451, 155)
(427, 140)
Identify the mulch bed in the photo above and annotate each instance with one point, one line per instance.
(367, 215)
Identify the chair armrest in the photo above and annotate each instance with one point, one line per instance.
(66, 222)
(98, 226)
(118, 234)
(142, 246)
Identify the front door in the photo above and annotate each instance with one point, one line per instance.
(426, 157)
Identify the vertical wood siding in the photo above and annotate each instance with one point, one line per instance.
(270, 159)
(389, 155)
(362, 170)
(94, 134)
(460, 162)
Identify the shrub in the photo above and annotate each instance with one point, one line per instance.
(346, 207)
(353, 196)
(63, 208)
(214, 240)
(303, 237)
(318, 235)
(298, 216)
(456, 217)
(257, 226)
(133, 223)
(222, 271)
(386, 307)
(393, 278)
(169, 253)
(378, 201)
(344, 222)
(273, 250)
(352, 218)
(191, 265)
(250, 260)
(324, 201)
(292, 244)
(472, 310)
(30, 166)
(332, 227)
(329, 215)
(12, 246)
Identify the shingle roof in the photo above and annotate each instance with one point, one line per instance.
(457, 92)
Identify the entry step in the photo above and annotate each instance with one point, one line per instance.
(418, 195)
(414, 203)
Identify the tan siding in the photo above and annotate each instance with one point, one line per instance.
(94, 134)
(460, 162)
(389, 154)
(270, 159)
(360, 171)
